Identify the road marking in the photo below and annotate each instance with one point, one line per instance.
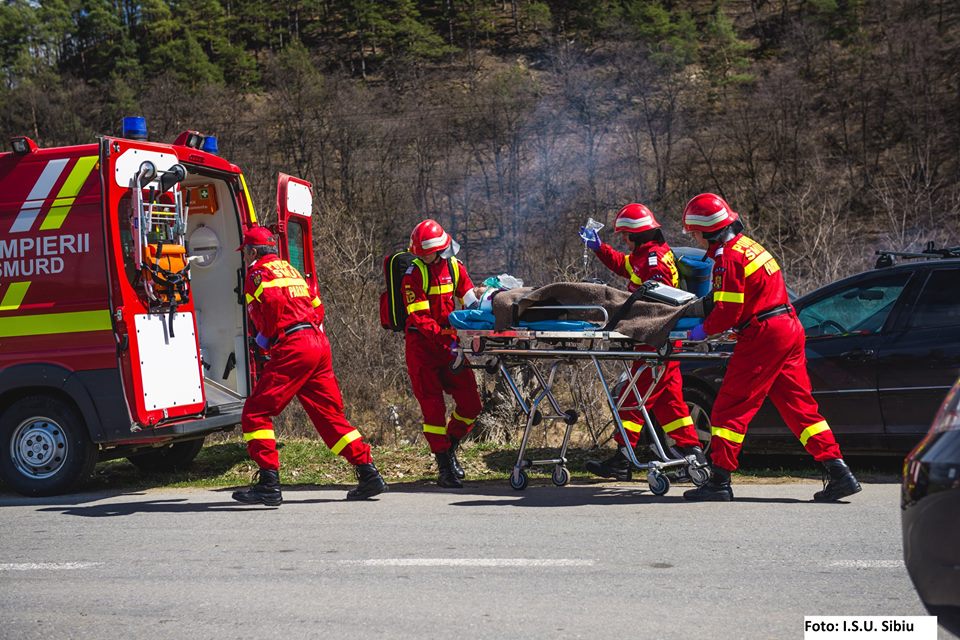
(868, 564)
(472, 562)
(46, 566)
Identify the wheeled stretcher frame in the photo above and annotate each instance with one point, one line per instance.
(546, 351)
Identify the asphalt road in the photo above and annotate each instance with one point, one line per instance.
(588, 561)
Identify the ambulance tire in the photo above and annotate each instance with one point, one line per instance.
(51, 433)
(174, 457)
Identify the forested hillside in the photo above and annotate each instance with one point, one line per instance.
(832, 126)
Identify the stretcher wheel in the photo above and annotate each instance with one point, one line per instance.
(659, 483)
(492, 366)
(519, 480)
(571, 417)
(537, 417)
(699, 475)
(560, 476)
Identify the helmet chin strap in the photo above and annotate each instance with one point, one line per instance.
(726, 234)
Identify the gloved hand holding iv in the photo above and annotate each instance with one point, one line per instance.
(590, 238)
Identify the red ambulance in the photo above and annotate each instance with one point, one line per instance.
(123, 330)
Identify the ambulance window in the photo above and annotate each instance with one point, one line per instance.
(295, 246)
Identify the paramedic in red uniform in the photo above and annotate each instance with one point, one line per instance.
(429, 292)
(749, 297)
(289, 319)
(650, 259)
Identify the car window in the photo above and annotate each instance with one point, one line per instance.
(939, 302)
(860, 308)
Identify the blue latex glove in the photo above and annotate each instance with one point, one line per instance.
(697, 334)
(263, 341)
(456, 354)
(590, 238)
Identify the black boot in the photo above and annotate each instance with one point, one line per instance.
(454, 462)
(370, 482)
(838, 482)
(266, 491)
(717, 489)
(447, 478)
(616, 466)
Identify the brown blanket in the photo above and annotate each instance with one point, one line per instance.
(647, 322)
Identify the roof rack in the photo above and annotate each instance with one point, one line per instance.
(930, 252)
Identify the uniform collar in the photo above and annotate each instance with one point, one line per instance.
(718, 247)
(270, 257)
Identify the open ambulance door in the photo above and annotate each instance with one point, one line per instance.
(153, 309)
(294, 226)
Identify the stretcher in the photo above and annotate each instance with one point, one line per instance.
(543, 351)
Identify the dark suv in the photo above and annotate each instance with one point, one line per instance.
(883, 349)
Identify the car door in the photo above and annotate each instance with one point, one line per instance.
(294, 225)
(845, 326)
(158, 348)
(918, 365)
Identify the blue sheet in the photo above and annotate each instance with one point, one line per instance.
(484, 320)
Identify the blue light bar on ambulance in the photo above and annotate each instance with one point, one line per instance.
(135, 128)
(210, 145)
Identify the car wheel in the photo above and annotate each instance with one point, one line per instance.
(45, 447)
(173, 457)
(700, 404)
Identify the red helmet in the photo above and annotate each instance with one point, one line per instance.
(429, 237)
(257, 236)
(635, 218)
(707, 213)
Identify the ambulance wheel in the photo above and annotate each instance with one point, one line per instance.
(560, 476)
(173, 457)
(45, 447)
(659, 483)
(519, 480)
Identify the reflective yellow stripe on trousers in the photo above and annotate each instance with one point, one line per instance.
(259, 434)
(344, 441)
(431, 428)
(812, 430)
(727, 434)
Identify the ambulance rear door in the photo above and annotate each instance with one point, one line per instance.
(294, 225)
(157, 342)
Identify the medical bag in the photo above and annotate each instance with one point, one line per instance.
(393, 311)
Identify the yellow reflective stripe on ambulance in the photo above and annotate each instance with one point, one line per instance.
(634, 278)
(437, 290)
(344, 441)
(431, 428)
(728, 296)
(51, 323)
(756, 263)
(413, 307)
(259, 434)
(68, 193)
(677, 424)
(630, 425)
(813, 430)
(727, 434)
(13, 298)
(246, 193)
